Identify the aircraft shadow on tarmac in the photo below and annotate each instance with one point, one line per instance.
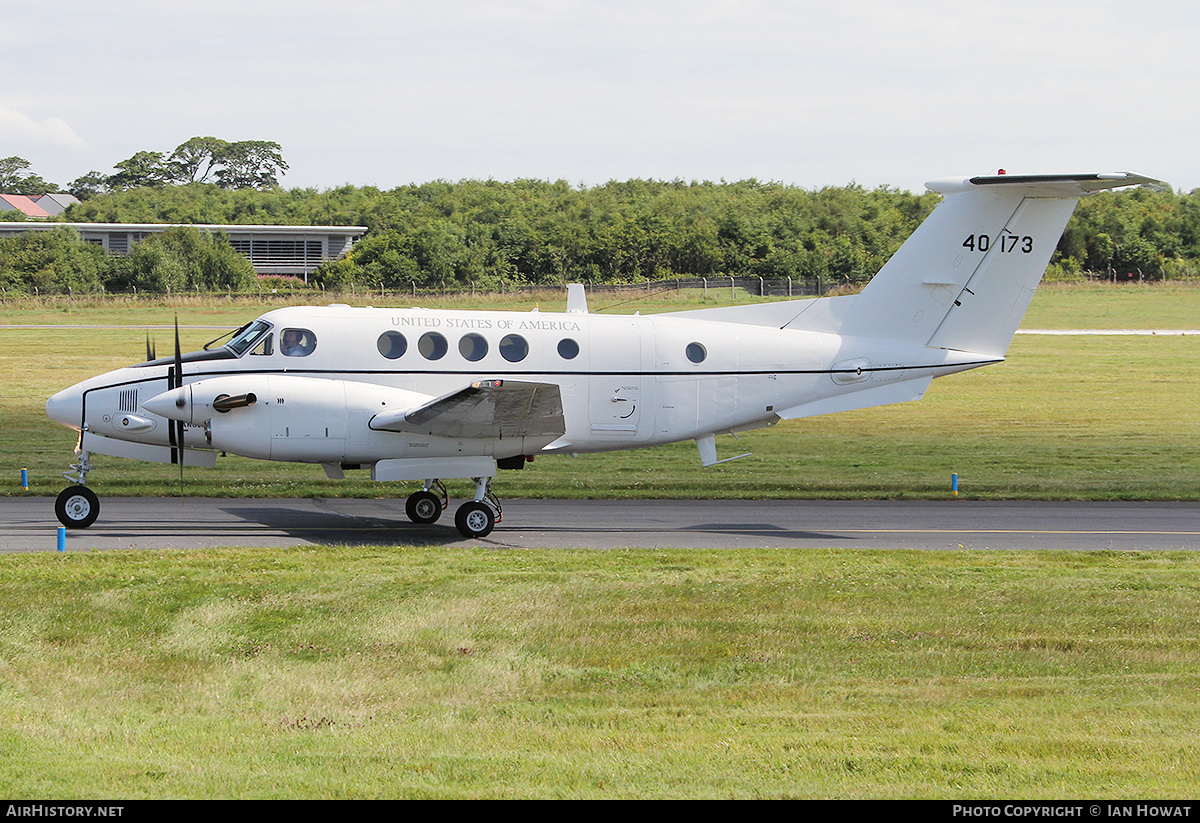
(334, 528)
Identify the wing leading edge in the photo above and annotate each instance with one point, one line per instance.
(485, 409)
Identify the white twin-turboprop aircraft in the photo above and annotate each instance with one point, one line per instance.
(420, 395)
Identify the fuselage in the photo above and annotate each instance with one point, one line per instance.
(626, 381)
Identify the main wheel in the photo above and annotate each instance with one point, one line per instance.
(77, 507)
(423, 507)
(474, 520)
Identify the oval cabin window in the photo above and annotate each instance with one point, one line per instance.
(514, 348)
(568, 349)
(392, 344)
(472, 347)
(297, 342)
(432, 346)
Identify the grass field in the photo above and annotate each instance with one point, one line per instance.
(331, 672)
(429, 673)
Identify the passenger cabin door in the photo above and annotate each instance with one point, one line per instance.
(618, 407)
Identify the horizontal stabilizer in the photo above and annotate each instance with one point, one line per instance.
(900, 392)
(1068, 186)
(485, 409)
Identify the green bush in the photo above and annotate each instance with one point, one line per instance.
(53, 262)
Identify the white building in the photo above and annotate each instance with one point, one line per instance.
(286, 250)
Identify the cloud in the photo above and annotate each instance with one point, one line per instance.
(16, 127)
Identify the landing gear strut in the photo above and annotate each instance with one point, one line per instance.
(475, 518)
(77, 506)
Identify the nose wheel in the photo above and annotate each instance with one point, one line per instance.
(77, 507)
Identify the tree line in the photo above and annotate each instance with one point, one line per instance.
(242, 164)
(490, 234)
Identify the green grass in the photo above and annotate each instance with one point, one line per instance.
(1103, 306)
(432, 673)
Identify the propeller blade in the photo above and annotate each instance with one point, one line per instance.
(178, 355)
(178, 428)
(149, 348)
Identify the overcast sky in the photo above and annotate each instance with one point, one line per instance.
(388, 92)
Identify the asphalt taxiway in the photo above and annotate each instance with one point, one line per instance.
(29, 524)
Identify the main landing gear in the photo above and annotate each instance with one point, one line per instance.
(77, 506)
(475, 518)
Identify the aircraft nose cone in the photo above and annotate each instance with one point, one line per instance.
(66, 408)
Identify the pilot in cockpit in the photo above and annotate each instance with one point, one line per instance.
(297, 342)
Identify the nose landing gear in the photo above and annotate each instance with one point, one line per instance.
(77, 506)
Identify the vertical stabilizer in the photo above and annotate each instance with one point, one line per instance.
(964, 278)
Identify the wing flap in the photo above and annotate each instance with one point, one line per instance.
(492, 409)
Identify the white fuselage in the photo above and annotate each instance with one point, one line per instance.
(625, 381)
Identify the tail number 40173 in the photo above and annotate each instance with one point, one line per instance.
(1008, 243)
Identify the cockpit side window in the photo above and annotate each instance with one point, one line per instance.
(297, 342)
(247, 337)
(264, 345)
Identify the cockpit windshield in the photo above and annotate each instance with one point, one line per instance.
(246, 338)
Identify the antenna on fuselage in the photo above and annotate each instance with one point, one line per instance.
(576, 299)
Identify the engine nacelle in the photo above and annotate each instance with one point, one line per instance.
(282, 417)
(315, 420)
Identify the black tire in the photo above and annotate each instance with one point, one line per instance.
(77, 507)
(423, 507)
(474, 520)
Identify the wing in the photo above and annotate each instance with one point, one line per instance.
(496, 409)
